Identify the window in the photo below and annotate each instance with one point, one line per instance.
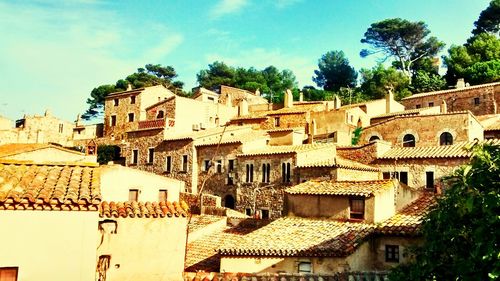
(230, 165)
(409, 140)
(476, 101)
(429, 179)
(431, 104)
(373, 138)
(351, 119)
(210, 98)
(264, 214)
(391, 253)
(248, 211)
(357, 208)
(135, 156)
(8, 273)
(162, 195)
(151, 155)
(266, 173)
(386, 175)
(160, 114)
(61, 127)
(116, 102)
(418, 106)
(184, 163)
(285, 172)
(133, 195)
(249, 173)
(445, 139)
(276, 121)
(168, 164)
(305, 267)
(132, 99)
(218, 165)
(206, 165)
(131, 117)
(403, 177)
(230, 180)
(113, 120)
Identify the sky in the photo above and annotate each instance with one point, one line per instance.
(54, 52)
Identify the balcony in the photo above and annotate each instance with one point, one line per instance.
(154, 124)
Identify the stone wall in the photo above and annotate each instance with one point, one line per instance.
(461, 99)
(340, 276)
(426, 129)
(121, 111)
(289, 120)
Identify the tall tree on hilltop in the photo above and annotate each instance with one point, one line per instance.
(151, 75)
(218, 73)
(406, 41)
(489, 19)
(376, 82)
(335, 72)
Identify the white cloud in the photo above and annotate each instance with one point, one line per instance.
(163, 48)
(226, 7)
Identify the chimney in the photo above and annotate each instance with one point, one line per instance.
(301, 96)
(444, 107)
(243, 108)
(129, 87)
(288, 99)
(337, 102)
(460, 83)
(78, 120)
(47, 112)
(389, 98)
(257, 92)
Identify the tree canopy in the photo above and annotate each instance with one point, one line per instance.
(461, 237)
(150, 75)
(407, 42)
(335, 72)
(489, 19)
(376, 82)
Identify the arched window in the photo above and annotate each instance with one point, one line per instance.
(229, 201)
(409, 140)
(446, 139)
(160, 114)
(373, 138)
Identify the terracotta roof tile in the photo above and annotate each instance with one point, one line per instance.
(212, 132)
(49, 187)
(341, 188)
(458, 150)
(296, 109)
(451, 91)
(198, 222)
(18, 148)
(300, 237)
(229, 138)
(338, 162)
(408, 220)
(142, 209)
(404, 112)
(282, 149)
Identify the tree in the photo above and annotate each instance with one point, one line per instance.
(106, 153)
(461, 237)
(424, 81)
(489, 19)
(376, 82)
(477, 61)
(334, 72)
(218, 73)
(151, 75)
(406, 41)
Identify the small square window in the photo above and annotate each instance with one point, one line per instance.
(391, 253)
(132, 99)
(8, 273)
(131, 117)
(162, 195)
(116, 102)
(276, 121)
(431, 104)
(264, 214)
(113, 120)
(248, 212)
(418, 106)
(133, 195)
(305, 267)
(357, 208)
(206, 165)
(476, 101)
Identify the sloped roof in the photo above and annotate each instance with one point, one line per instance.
(414, 111)
(49, 187)
(211, 132)
(283, 149)
(18, 148)
(458, 150)
(142, 209)
(230, 138)
(409, 220)
(341, 188)
(450, 91)
(296, 109)
(338, 162)
(300, 237)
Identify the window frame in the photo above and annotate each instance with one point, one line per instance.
(131, 117)
(135, 157)
(132, 191)
(409, 143)
(392, 253)
(112, 120)
(286, 172)
(184, 164)
(165, 192)
(249, 173)
(8, 268)
(168, 164)
(132, 99)
(477, 101)
(309, 263)
(427, 181)
(276, 121)
(116, 102)
(445, 138)
(353, 214)
(151, 155)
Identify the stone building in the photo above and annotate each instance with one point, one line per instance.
(425, 130)
(491, 124)
(5, 123)
(409, 112)
(480, 99)
(374, 108)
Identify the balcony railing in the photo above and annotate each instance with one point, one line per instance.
(159, 123)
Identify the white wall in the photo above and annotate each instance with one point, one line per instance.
(49, 245)
(53, 154)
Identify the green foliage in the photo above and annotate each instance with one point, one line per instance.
(427, 82)
(106, 153)
(356, 135)
(151, 75)
(461, 237)
(489, 19)
(335, 72)
(406, 41)
(270, 81)
(476, 61)
(376, 82)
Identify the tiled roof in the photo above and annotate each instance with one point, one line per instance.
(142, 209)
(18, 148)
(161, 102)
(49, 187)
(229, 138)
(198, 222)
(282, 149)
(361, 103)
(340, 163)
(341, 188)
(490, 122)
(458, 150)
(408, 220)
(296, 109)
(404, 112)
(212, 132)
(133, 91)
(300, 237)
(451, 91)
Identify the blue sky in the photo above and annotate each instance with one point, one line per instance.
(54, 52)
